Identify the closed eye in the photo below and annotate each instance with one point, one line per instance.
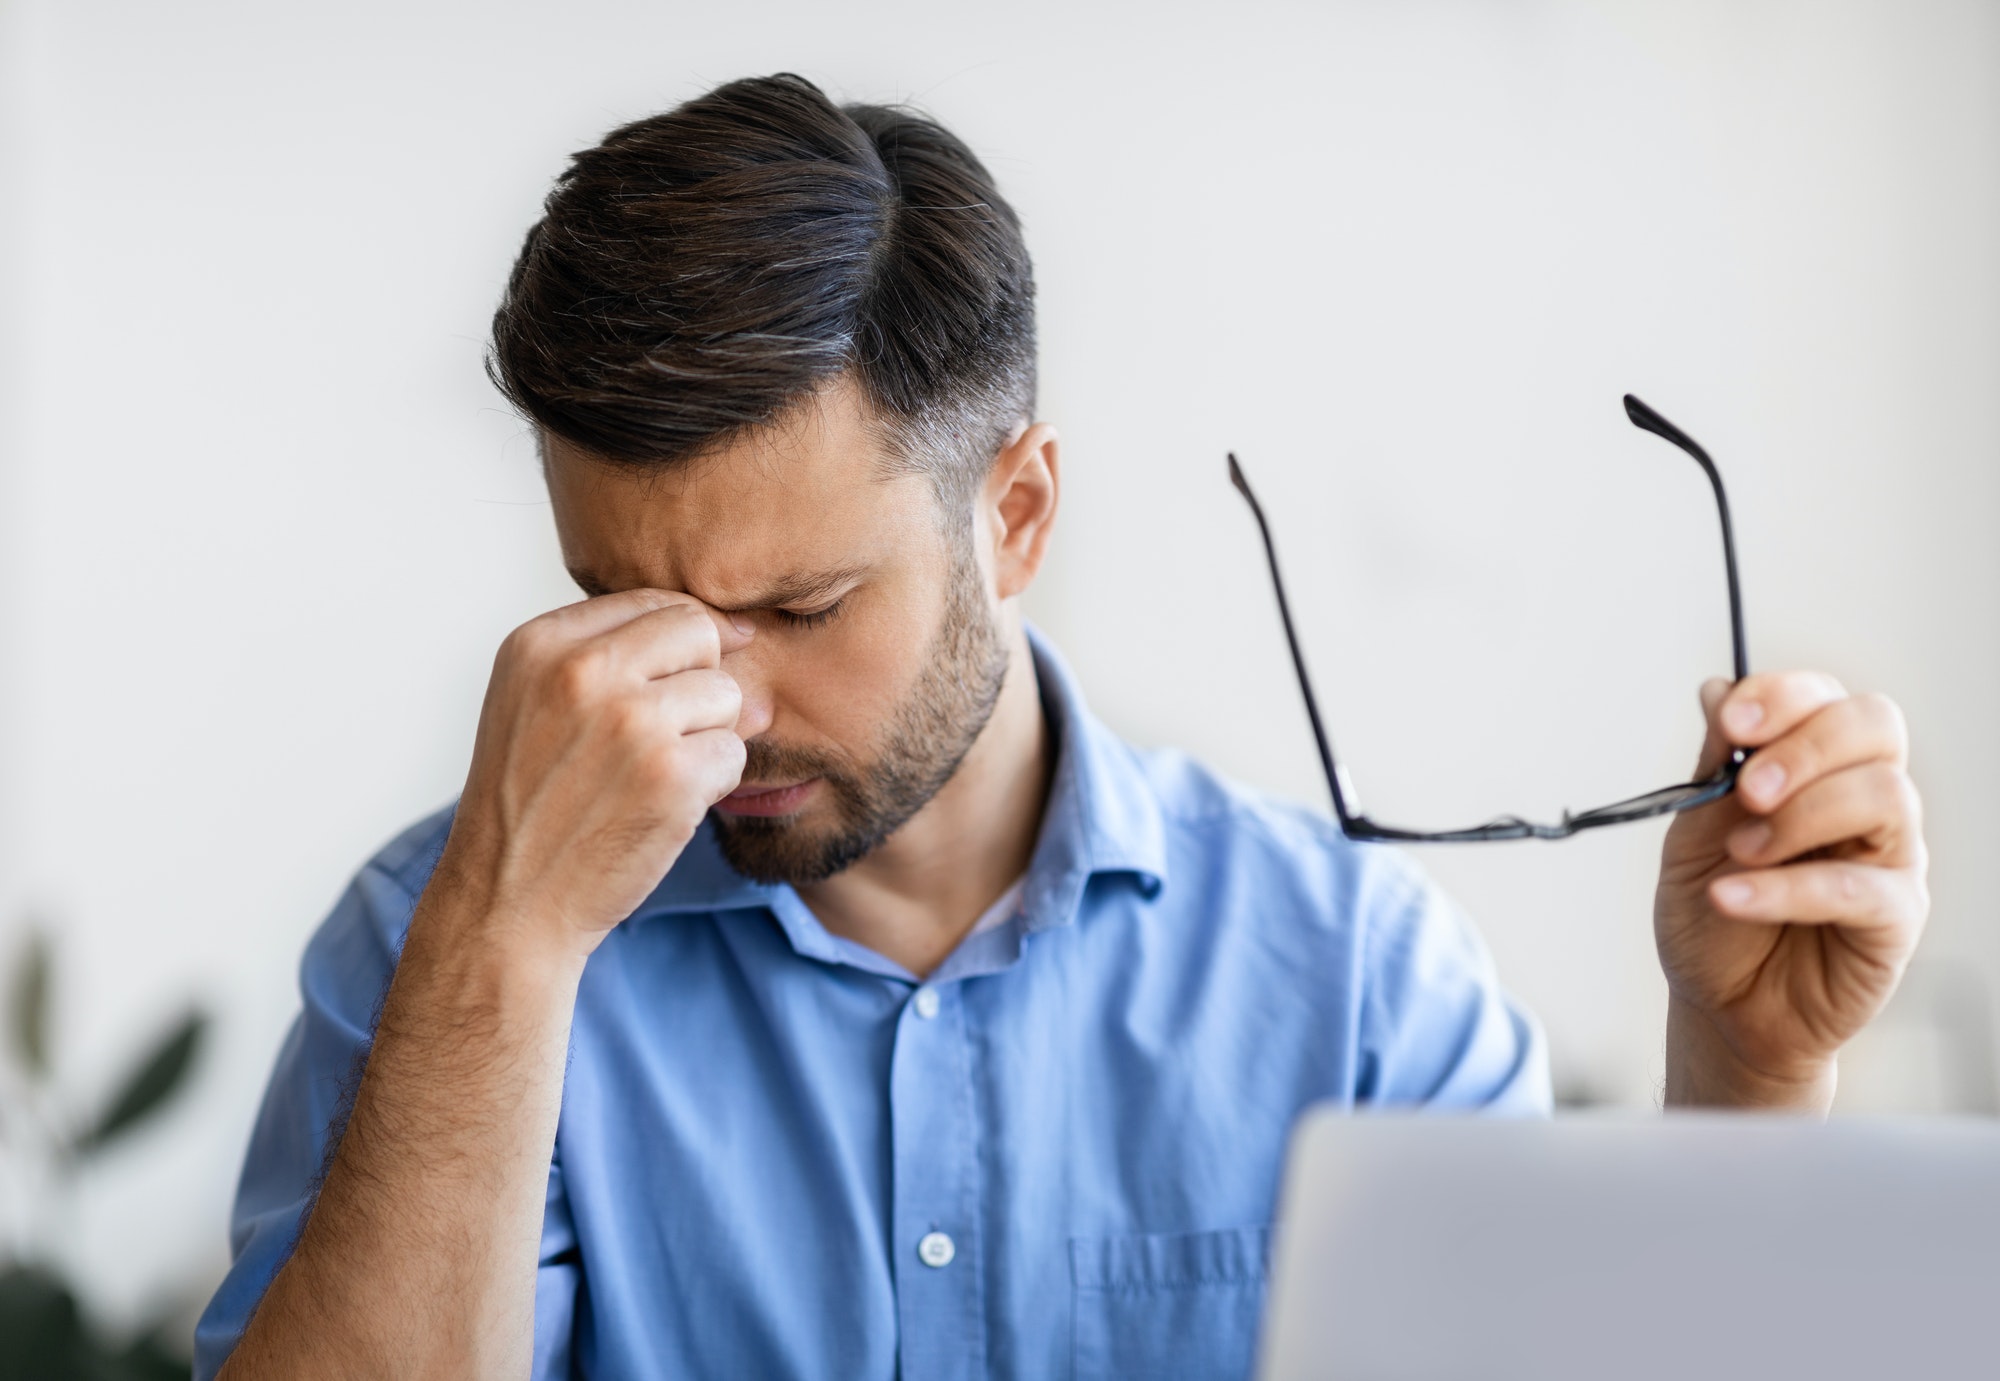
(817, 618)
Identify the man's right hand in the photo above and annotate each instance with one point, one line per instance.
(608, 731)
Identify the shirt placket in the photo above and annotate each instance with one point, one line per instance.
(939, 1270)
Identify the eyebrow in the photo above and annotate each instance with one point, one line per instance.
(796, 587)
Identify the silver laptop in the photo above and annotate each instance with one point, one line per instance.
(1711, 1246)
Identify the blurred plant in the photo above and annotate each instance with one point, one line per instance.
(44, 1334)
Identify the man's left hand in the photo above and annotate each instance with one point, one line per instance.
(1788, 910)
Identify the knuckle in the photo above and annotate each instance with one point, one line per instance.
(1909, 799)
(735, 752)
(1887, 717)
(659, 771)
(702, 698)
(1880, 782)
(1786, 687)
(721, 755)
(1887, 898)
(1888, 792)
(687, 628)
(524, 645)
(1798, 756)
(576, 676)
(707, 640)
(629, 721)
(1803, 760)
(1798, 695)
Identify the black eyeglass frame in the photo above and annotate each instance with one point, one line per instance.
(1683, 796)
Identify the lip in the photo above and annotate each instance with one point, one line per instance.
(767, 800)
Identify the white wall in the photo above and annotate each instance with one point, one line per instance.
(263, 520)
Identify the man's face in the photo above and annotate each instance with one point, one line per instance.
(878, 652)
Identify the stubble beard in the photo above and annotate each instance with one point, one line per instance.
(928, 736)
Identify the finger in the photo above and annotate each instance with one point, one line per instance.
(1874, 804)
(699, 700)
(1828, 892)
(1765, 706)
(1840, 735)
(674, 638)
(591, 618)
(717, 758)
(1715, 747)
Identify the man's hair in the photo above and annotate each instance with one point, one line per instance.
(706, 270)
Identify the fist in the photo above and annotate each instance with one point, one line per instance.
(1788, 910)
(608, 731)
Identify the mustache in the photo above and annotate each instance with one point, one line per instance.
(765, 761)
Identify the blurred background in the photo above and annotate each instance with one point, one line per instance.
(263, 520)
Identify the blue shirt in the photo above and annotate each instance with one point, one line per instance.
(782, 1155)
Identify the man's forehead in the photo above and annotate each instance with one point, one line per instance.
(777, 514)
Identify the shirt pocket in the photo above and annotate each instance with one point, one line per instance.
(1167, 1304)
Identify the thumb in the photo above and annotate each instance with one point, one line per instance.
(1715, 748)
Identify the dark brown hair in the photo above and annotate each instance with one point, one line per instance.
(703, 271)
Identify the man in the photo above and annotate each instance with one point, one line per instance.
(804, 983)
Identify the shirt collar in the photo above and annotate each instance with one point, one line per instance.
(1102, 816)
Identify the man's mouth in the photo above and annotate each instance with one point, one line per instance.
(758, 799)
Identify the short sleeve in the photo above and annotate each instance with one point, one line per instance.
(558, 1284)
(1437, 1029)
(346, 970)
(344, 975)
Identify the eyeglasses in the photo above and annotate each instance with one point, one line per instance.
(1685, 796)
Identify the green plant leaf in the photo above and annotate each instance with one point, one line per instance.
(149, 1359)
(28, 1012)
(150, 1085)
(41, 1333)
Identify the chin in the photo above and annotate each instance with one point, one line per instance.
(786, 848)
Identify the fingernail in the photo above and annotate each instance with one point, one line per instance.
(1750, 838)
(742, 625)
(1734, 892)
(1743, 716)
(1764, 781)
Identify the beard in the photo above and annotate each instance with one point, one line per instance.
(928, 735)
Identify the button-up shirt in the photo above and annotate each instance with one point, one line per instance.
(781, 1154)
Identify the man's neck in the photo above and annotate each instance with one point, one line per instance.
(917, 895)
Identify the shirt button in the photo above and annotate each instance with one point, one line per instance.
(927, 1007)
(936, 1249)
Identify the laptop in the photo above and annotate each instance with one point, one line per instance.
(1709, 1245)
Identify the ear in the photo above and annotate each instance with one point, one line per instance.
(1020, 506)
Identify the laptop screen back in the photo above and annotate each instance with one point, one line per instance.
(1717, 1246)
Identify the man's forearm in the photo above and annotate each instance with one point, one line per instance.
(419, 1256)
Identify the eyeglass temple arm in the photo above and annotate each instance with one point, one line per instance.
(1644, 418)
(1336, 776)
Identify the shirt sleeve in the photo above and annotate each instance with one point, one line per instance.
(1437, 1029)
(558, 1284)
(342, 980)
